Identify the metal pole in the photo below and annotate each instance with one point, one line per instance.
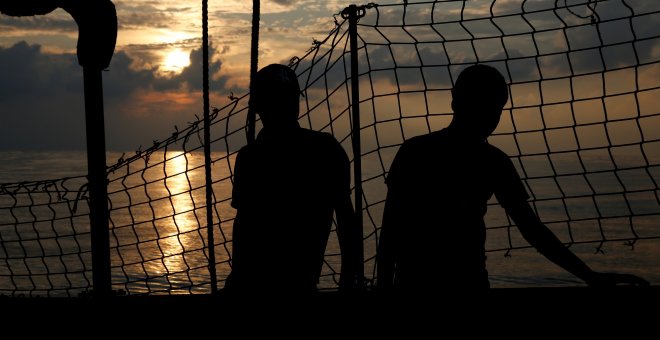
(353, 17)
(207, 146)
(97, 23)
(97, 176)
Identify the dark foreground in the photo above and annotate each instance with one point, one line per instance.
(533, 312)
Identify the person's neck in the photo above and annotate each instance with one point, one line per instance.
(463, 133)
(287, 124)
(281, 125)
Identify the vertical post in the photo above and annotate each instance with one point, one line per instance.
(254, 62)
(207, 146)
(98, 181)
(97, 23)
(353, 17)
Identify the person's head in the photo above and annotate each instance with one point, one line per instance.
(478, 97)
(276, 95)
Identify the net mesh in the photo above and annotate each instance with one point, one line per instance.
(582, 127)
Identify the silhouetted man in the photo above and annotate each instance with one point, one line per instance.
(287, 184)
(433, 234)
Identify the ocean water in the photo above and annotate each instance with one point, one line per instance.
(158, 233)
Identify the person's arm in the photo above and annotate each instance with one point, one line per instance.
(348, 234)
(385, 255)
(349, 238)
(233, 280)
(542, 238)
(393, 219)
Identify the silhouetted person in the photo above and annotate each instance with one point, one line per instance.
(287, 184)
(433, 234)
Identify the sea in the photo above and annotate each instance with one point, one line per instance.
(158, 245)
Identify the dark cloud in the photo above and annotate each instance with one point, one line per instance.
(122, 80)
(192, 75)
(25, 72)
(133, 16)
(42, 101)
(37, 23)
(284, 2)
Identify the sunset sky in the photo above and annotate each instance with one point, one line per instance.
(154, 80)
(151, 85)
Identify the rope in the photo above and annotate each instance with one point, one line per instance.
(254, 64)
(207, 145)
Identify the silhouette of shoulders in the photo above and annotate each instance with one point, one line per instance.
(290, 162)
(285, 185)
(439, 186)
(288, 185)
(444, 158)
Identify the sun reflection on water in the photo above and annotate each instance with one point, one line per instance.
(180, 241)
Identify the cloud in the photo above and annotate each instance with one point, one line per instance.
(42, 101)
(58, 20)
(20, 71)
(192, 75)
(41, 92)
(284, 2)
(123, 79)
(32, 90)
(133, 15)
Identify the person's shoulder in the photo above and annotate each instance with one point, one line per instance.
(318, 137)
(496, 152)
(316, 134)
(423, 141)
(323, 143)
(247, 153)
(430, 137)
(245, 149)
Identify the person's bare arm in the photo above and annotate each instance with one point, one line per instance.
(542, 238)
(385, 256)
(349, 238)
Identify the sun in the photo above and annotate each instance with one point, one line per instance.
(176, 61)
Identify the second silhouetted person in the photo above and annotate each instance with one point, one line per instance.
(287, 186)
(433, 233)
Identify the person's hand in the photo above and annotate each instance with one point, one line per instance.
(597, 279)
(348, 283)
